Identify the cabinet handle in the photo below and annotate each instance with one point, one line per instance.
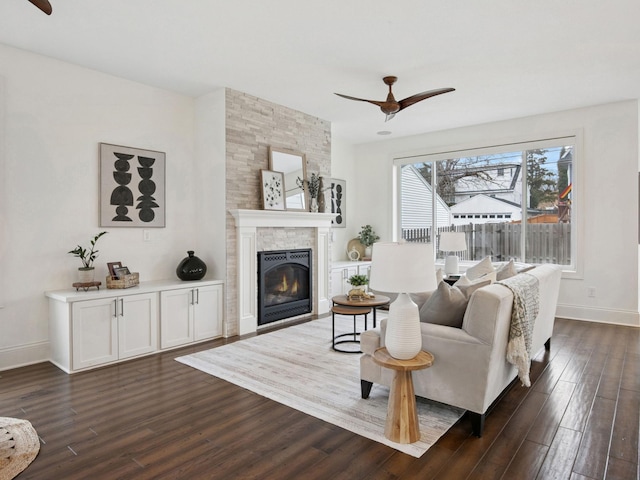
(198, 297)
(345, 274)
(122, 307)
(115, 308)
(193, 296)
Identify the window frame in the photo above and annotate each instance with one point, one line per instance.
(573, 137)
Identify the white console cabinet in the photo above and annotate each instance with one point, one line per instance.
(190, 315)
(340, 273)
(99, 327)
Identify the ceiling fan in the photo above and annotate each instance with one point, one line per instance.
(43, 5)
(390, 106)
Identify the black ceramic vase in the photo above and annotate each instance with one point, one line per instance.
(191, 268)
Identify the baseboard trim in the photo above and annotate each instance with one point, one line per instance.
(23, 355)
(627, 318)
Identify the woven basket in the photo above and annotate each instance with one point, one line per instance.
(127, 281)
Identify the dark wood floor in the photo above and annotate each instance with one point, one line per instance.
(156, 418)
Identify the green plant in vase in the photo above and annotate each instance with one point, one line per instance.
(367, 237)
(358, 280)
(87, 257)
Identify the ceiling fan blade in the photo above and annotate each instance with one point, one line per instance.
(360, 99)
(43, 5)
(407, 102)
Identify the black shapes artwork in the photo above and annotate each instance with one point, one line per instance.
(147, 188)
(132, 187)
(337, 199)
(121, 195)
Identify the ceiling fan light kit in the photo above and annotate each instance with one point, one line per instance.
(390, 106)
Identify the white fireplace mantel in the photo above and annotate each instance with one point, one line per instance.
(247, 222)
(276, 218)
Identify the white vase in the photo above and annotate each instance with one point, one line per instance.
(86, 275)
(314, 205)
(403, 339)
(367, 251)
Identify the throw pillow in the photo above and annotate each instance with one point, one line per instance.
(507, 270)
(448, 303)
(481, 268)
(464, 282)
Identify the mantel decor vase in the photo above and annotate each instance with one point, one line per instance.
(191, 268)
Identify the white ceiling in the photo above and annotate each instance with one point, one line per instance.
(506, 58)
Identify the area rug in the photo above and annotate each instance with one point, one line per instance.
(19, 445)
(296, 366)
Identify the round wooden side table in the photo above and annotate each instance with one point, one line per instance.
(402, 417)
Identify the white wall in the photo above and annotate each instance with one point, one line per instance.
(343, 167)
(55, 115)
(608, 187)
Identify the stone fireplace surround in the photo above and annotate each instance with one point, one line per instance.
(248, 223)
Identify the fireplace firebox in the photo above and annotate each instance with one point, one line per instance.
(284, 284)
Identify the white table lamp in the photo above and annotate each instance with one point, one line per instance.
(403, 268)
(452, 242)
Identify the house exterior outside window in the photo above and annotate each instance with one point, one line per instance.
(514, 202)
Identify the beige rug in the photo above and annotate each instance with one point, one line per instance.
(297, 367)
(19, 445)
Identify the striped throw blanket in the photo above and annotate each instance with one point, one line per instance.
(526, 303)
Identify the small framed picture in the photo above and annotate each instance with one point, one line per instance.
(112, 268)
(121, 272)
(272, 190)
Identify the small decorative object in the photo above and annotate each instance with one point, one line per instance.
(272, 190)
(321, 204)
(132, 187)
(403, 268)
(191, 268)
(121, 272)
(367, 238)
(112, 267)
(353, 254)
(313, 187)
(359, 284)
(87, 256)
(124, 280)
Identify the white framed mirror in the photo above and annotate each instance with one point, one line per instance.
(293, 165)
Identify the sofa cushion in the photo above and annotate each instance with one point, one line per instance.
(447, 304)
(507, 270)
(481, 268)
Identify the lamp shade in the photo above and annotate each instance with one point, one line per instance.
(402, 267)
(453, 242)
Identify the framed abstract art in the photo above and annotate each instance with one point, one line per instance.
(132, 187)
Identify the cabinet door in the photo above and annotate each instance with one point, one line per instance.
(208, 312)
(94, 333)
(137, 325)
(176, 324)
(347, 273)
(364, 269)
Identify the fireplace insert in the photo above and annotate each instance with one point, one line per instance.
(284, 284)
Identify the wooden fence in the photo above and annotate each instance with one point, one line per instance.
(545, 242)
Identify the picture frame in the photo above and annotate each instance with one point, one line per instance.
(112, 266)
(132, 187)
(272, 190)
(121, 272)
(335, 191)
